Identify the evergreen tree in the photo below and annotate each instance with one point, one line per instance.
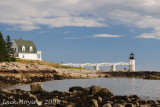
(10, 50)
(4, 55)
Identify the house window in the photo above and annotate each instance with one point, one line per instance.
(30, 49)
(23, 48)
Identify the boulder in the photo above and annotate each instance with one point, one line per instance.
(145, 105)
(100, 99)
(95, 103)
(130, 105)
(142, 102)
(134, 96)
(11, 97)
(158, 101)
(125, 98)
(4, 90)
(104, 93)
(31, 96)
(135, 102)
(152, 102)
(152, 77)
(36, 87)
(77, 88)
(75, 92)
(118, 105)
(107, 105)
(70, 105)
(120, 101)
(94, 89)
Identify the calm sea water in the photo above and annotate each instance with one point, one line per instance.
(119, 86)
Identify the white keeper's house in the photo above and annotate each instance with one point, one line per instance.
(26, 49)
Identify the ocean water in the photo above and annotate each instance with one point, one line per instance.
(149, 89)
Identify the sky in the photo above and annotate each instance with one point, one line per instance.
(87, 31)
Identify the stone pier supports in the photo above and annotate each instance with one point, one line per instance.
(96, 67)
(81, 66)
(113, 67)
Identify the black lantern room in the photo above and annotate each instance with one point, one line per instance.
(131, 56)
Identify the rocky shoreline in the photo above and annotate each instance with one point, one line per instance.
(12, 77)
(16, 72)
(94, 96)
(152, 75)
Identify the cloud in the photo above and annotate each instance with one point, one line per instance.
(106, 36)
(132, 30)
(24, 27)
(67, 32)
(153, 35)
(97, 36)
(79, 37)
(31, 14)
(43, 31)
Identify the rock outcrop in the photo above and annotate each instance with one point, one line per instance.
(138, 74)
(9, 66)
(36, 88)
(15, 72)
(76, 97)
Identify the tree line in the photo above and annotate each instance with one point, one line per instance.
(6, 50)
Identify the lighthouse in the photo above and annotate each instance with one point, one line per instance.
(131, 63)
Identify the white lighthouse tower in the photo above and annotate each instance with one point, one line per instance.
(132, 66)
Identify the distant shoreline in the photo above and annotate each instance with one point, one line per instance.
(28, 71)
(13, 77)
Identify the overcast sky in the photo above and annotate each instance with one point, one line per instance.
(87, 30)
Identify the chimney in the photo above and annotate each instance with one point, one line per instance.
(20, 38)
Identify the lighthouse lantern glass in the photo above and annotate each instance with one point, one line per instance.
(131, 56)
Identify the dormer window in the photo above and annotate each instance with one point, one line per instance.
(23, 48)
(30, 49)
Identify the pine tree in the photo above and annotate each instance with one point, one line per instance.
(4, 55)
(10, 50)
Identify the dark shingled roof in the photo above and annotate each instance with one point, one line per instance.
(27, 44)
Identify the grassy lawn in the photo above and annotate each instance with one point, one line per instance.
(46, 63)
